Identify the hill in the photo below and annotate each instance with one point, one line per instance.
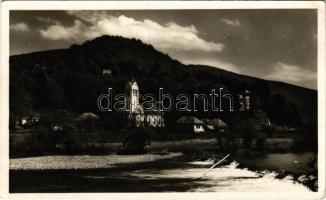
(72, 79)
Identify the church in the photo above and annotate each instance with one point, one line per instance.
(137, 115)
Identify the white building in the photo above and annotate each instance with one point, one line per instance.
(190, 124)
(137, 116)
(106, 72)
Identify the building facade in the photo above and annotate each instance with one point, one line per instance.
(137, 115)
(190, 124)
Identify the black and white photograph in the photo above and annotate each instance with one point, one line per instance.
(164, 100)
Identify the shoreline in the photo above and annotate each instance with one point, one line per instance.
(63, 162)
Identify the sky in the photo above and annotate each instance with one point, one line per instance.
(278, 45)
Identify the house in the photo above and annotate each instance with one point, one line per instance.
(139, 116)
(190, 124)
(107, 72)
(30, 118)
(217, 124)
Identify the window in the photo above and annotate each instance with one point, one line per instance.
(135, 92)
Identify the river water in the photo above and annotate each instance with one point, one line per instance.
(172, 175)
(295, 163)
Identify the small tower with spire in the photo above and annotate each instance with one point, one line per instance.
(135, 115)
(244, 101)
(132, 90)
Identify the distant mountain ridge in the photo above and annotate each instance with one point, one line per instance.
(74, 75)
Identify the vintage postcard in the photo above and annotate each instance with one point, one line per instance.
(162, 100)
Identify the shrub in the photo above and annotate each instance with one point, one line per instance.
(260, 144)
(43, 140)
(135, 141)
(69, 144)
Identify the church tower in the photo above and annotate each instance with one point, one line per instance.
(244, 101)
(135, 114)
(132, 90)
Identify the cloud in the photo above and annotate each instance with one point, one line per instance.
(292, 73)
(60, 32)
(21, 26)
(165, 37)
(47, 20)
(231, 22)
(88, 16)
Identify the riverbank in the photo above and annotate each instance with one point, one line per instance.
(83, 161)
(28, 144)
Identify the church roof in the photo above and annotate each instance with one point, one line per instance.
(132, 84)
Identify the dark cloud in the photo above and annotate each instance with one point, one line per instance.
(273, 44)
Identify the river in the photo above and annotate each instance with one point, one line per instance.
(170, 175)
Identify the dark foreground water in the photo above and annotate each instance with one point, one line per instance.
(171, 175)
(290, 162)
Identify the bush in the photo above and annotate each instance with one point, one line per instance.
(69, 144)
(260, 144)
(228, 142)
(135, 141)
(43, 140)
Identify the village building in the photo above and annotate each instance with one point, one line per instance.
(190, 124)
(153, 117)
(217, 125)
(30, 118)
(107, 72)
(137, 115)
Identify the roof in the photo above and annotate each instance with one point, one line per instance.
(189, 120)
(216, 122)
(206, 120)
(139, 110)
(32, 114)
(86, 116)
(132, 84)
(17, 127)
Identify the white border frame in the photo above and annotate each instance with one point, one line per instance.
(151, 5)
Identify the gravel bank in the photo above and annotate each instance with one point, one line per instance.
(82, 161)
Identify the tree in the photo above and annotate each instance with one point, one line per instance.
(136, 141)
(20, 103)
(245, 129)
